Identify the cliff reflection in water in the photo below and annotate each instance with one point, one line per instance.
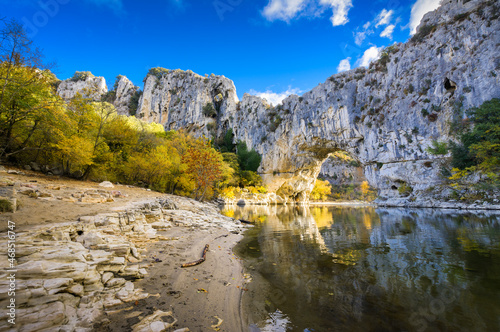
(361, 269)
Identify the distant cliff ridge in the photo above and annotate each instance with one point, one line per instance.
(384, 116)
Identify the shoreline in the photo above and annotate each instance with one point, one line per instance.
(95, 263)
(197, 296)
(392, 203)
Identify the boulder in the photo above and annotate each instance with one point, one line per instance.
(106, 184)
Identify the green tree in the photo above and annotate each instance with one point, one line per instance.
(249, 160)
(484, 139)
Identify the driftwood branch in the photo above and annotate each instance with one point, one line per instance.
(199, 261)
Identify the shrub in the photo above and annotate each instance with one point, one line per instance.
(209, 110)
(133, 104)
(250, 178)
(158, 72)
(461, 17)
(405, 189)
(423, 32)
(118, 78)
(81, 76)
(438, 148)
(249, 160)
(321, 190)
(6, 205)
(275, 122)
(109, 97)
(483, 141)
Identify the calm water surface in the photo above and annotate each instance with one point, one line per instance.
(365, 269)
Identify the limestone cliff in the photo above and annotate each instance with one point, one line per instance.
(384, 116)
(84, 83)
(124, 92)
(182, 99)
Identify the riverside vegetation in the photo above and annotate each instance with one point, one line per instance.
(87, 139)
(291, 141)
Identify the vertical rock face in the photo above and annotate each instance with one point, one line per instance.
(379, 115)
(124, 89)
(384, 116)
(182, 99)
(84, 83)
(340, 172)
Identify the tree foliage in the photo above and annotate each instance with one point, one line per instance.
(321, 190)
(249, 160)
(87, 139)
(479, 147)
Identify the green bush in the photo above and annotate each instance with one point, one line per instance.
(461, 158)
(423, 32)
(481, 145)
(158, 72)
(118, 78)
(438, 148)
(81, 76)
(109, 97)
(6, 206)
(250, 178)
(405, 189)
(249, 160)
(209, 110)
(133, 104)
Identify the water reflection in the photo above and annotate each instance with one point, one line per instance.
(361, 269)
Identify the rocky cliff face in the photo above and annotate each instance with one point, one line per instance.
(387, 115)
(384, 116)
(86, 84)
(124, 90)
(182, 99)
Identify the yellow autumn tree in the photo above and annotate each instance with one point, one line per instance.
(321, 190)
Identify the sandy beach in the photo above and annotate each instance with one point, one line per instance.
(197, 295)
(206, 297)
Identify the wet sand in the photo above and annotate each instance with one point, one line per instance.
(196, 295)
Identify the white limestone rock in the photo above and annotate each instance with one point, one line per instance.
(374, 114)
(124, 90)
(84, 83)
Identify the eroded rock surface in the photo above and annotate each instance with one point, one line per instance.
(86, 84)
(384, 116)
(70, 275)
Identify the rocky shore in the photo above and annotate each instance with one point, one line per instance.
(101, 270)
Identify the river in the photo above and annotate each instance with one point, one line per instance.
(331, 268)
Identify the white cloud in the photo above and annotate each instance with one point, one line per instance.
(373, 53)
(286, 10)
(360, 36)
(283, 10)
(369, 28)
(344, 65)
(419, 9)
(384, 17)
(340, 10)
(388, 31)
(273, 97)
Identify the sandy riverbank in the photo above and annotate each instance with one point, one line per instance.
(198, 295)
(154, 238)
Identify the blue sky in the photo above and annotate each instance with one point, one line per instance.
(267, 47)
